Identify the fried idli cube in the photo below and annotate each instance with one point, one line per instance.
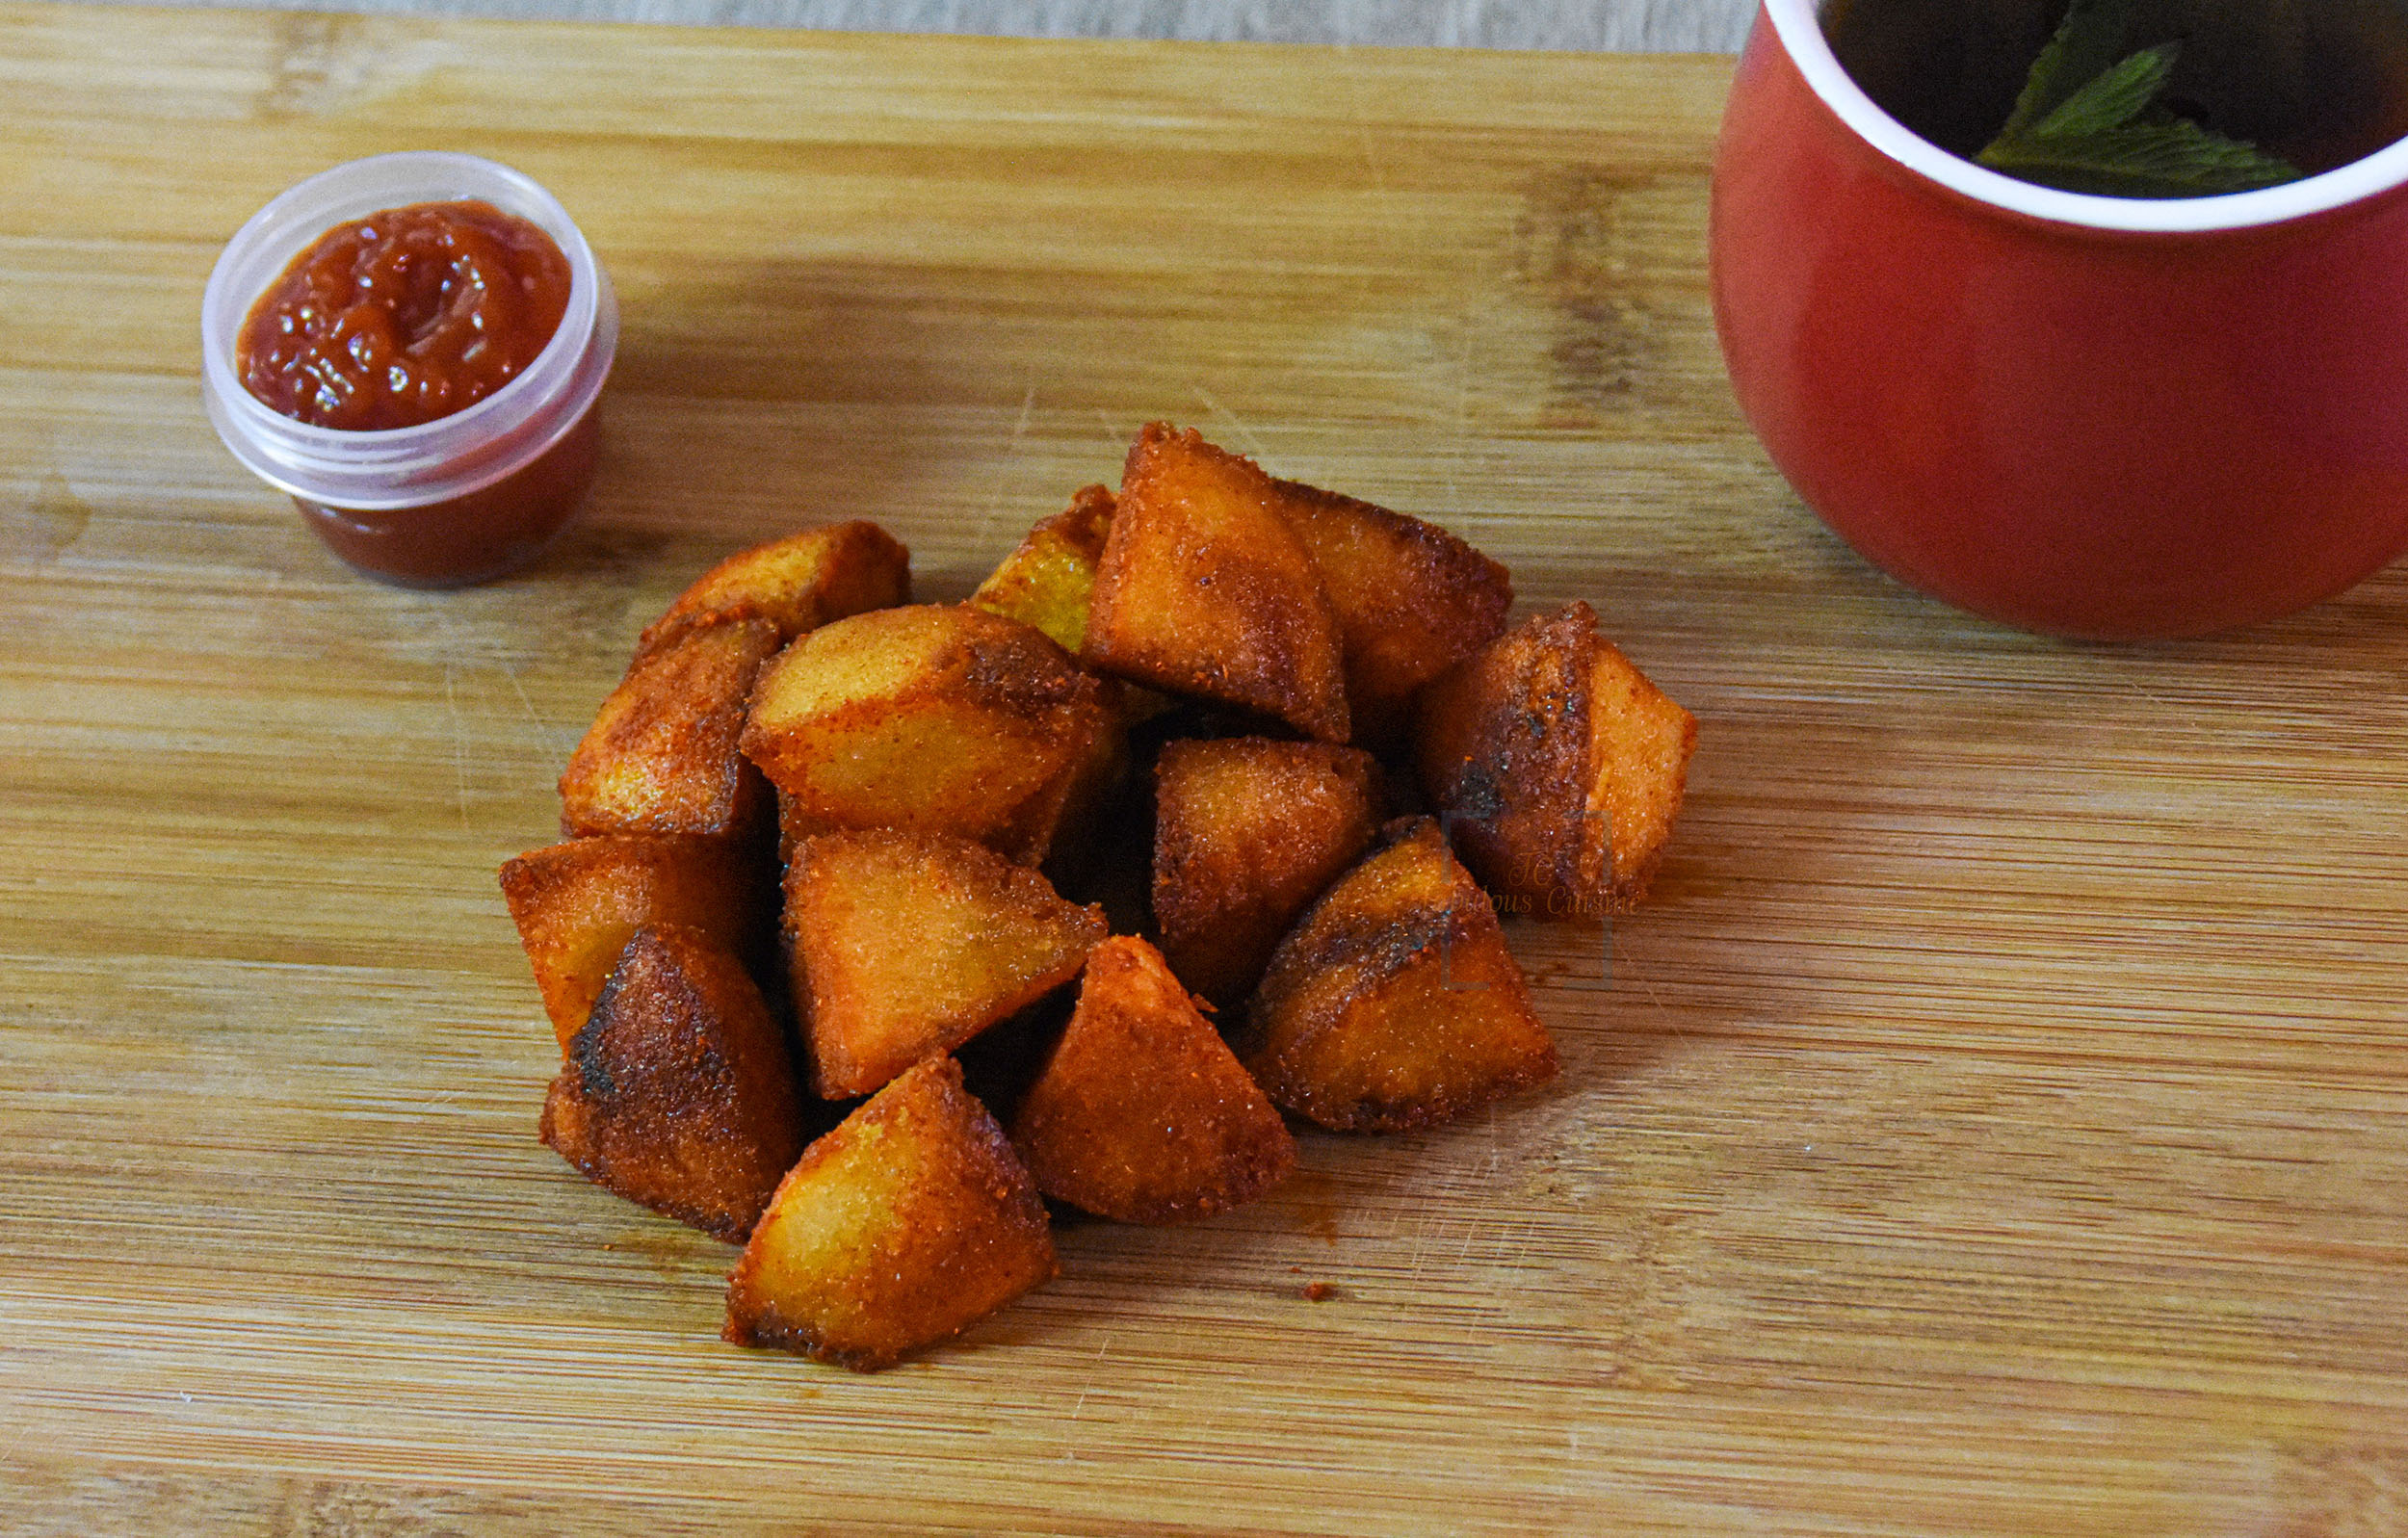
(1204, 589)
(903, 946)
(678, 1093)
(939, 718)
(577, 904)
(1556, 766)
(1412, 600)
(904, 1225)
(1048, 581)
(798, 583)
(661, 756)
(1247, 832)
(1642, 744)
(1504, 745)
(1142, 1113)
(1394, 1003)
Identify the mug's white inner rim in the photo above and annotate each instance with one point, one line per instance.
(1799, 27)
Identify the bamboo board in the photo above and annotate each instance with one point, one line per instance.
(1997, 1125)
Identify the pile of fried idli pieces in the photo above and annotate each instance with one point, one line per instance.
(1253, 765)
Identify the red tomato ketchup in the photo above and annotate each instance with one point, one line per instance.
(406, 316)
(421, 375)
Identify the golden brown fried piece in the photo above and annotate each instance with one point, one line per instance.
(906, 1225)
(942, 719)
(1048, 581)
(1503, 743)
(1556, 766)
(903, 946)
(1395, 1003)
(1142, 1113)
(1204, 589)
(1247, 832)
(798, 583)
(678, 1092)
(1412, 600)
(577, 904)
(1641, 742)
(661, 757)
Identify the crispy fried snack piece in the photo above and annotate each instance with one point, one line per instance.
(1142, 1113)
(1556, 766)
(1247, 832)
(577, 904)
(904, 1225)
(661, 757)
(938, 717)
(1641, 747)
(904, 946)
(798, 583)
(1047, 582)
(678, 1092)
(1395, 1003)
(1204, 589)
(1503, 743)
(1411, 599)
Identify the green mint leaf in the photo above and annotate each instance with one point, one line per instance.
(2086, 122)
(2086, 45)
(2114, 99)
(2175, 158)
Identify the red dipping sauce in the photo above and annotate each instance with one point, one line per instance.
(469, 539)
(403, 316)
(413, 345)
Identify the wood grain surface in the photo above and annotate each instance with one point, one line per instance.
(1997, 1125)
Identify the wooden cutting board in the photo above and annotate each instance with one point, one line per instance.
(1997, 1125)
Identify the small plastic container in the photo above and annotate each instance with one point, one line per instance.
(460, 499)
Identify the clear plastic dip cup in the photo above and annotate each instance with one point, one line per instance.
(458, 500)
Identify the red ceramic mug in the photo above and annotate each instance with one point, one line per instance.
(2090, 416)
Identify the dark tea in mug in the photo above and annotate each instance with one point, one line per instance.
(2315, 83)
